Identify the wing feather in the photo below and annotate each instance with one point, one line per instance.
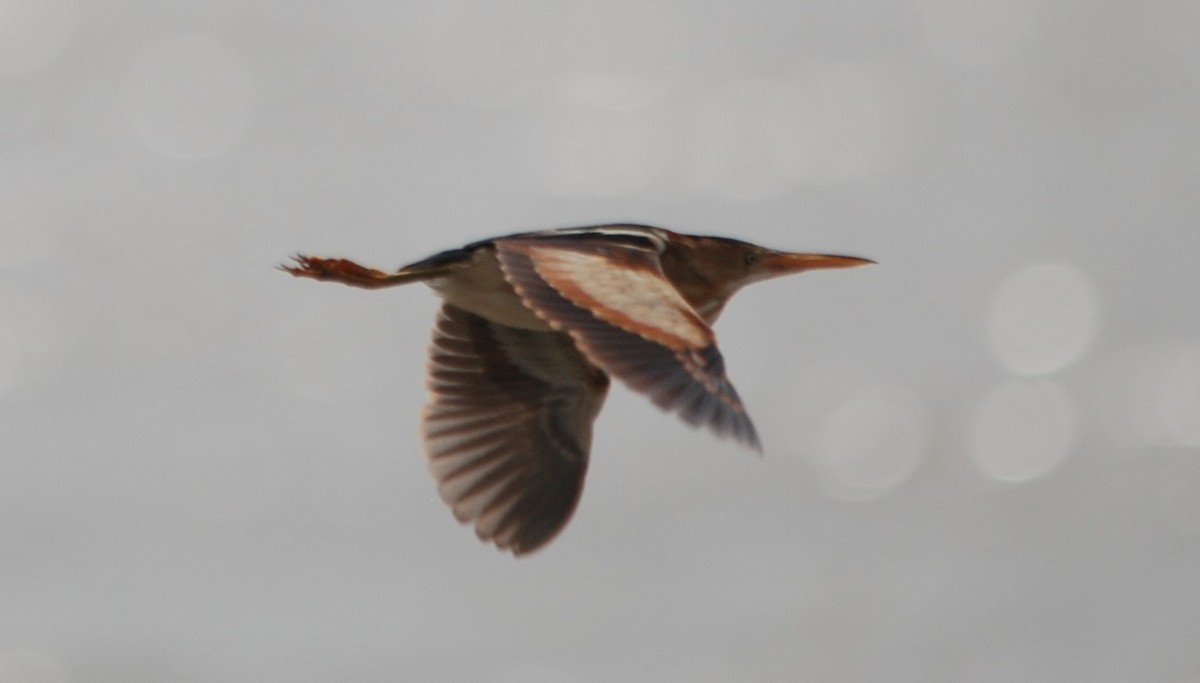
(508, 426)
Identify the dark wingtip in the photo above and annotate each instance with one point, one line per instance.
(747, 435)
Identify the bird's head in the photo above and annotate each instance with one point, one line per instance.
(709, 270)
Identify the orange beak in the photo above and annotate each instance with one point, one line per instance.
(782, 263)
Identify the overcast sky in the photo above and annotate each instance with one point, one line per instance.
(982, 456)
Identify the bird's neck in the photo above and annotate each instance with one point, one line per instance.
(706, 296)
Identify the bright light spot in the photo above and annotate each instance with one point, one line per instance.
(17, 666)
(978, 33)
(1179, 398)
(489, 54)
(189, 97)
(1042, 318)
(32, 32)
(829, 379)
(1022, 429)
(1164, 395)
(834, 123)
(622, 56)
(591, 151)
(872, 443)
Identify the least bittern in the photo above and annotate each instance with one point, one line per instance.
(531, 327)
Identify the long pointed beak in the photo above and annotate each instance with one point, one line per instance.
(781, 263)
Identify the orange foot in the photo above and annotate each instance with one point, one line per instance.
(336, 270)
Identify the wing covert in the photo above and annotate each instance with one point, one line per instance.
(660, 347)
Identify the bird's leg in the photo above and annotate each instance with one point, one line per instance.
(345, 271)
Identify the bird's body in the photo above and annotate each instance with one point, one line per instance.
(531, 328)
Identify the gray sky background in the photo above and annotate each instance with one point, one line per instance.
(982, 456)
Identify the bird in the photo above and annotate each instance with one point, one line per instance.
(532, 327)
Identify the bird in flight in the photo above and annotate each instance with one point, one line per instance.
(532, 326)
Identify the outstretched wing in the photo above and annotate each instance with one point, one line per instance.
(630, 321)
(508, 427)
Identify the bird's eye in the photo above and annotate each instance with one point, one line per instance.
(750, 258)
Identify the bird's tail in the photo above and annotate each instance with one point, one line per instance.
(350, 273)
